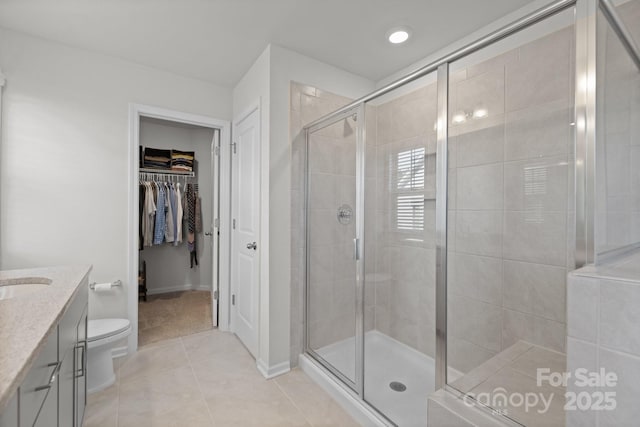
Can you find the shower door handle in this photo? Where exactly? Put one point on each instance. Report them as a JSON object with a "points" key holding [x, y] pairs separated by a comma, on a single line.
{"points": [[356, 249]]}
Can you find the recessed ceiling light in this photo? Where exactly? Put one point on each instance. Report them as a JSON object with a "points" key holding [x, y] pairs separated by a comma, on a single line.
{"points": [[398, 35]]}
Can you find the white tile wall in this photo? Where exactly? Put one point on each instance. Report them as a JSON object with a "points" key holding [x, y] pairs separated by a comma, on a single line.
{"points": [[479, 232], [403, 273], [510, 219], [620, 316], [627, 389], [482, 146], [332, 164], [536, 289], [618, 128], [603, 325], [480, 187]]}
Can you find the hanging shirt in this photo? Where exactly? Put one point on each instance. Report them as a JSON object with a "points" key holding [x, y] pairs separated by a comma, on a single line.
{"points": [[198, 212], [178, 223], [174, 211], [158, 235], [170, 228], [150, 211], [141, 202]]}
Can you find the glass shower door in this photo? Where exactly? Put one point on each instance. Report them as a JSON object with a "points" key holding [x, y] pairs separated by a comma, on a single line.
{"points": [[399, 212], [332, 282], [510, 219]]}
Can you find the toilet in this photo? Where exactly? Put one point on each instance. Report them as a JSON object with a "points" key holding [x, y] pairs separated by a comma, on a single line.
{"points": [[101, 334]]}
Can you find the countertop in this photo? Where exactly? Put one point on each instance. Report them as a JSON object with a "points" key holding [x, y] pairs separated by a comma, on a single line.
{"points": [[27, 319]]}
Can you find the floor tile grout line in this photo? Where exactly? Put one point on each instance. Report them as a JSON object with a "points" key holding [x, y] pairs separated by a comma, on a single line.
{"points": [[206, 404], [282, 390]]}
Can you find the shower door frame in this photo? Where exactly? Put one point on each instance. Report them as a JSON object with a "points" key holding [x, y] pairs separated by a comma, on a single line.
{"points": [[358, 111], [584, 115], [619, 28]]}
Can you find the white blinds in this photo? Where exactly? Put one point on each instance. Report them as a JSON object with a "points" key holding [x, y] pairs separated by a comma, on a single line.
{"points": [[409, 189]]}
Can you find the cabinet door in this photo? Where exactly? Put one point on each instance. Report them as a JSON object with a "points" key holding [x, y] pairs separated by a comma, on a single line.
{"points": [[48, 416], [81, 370], [41, 381], [68, 350], [9, 417], [65, 390]]}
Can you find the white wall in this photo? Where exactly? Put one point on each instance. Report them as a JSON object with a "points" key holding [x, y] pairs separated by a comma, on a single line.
{"points": [[288, 66], [268, 80], [252, 90], [168, 266], [64, 154]]}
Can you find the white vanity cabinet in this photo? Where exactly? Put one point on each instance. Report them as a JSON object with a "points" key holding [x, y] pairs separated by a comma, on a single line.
{"points": [[53, 393], [38, 391], [73, 353], [9, 417]]}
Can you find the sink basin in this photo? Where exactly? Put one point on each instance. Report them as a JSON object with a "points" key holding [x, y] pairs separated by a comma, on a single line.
{"points": [[11, 288]]}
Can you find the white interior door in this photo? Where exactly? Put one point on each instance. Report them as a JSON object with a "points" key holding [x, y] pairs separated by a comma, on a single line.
{"points": [[245, 230], [215, 227]]}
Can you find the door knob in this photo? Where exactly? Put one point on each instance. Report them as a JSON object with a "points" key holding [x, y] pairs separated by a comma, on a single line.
{"points": [[253, 246], [206, 233]]}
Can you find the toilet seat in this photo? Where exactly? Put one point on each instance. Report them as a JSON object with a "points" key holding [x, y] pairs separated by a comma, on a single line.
{"points": [[107, 330]]}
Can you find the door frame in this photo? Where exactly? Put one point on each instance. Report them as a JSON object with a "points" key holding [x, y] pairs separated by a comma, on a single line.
{"points": [[221, 271], [253, 107]]}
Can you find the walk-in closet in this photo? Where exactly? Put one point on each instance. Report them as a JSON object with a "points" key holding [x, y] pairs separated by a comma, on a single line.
{"points": [[177, 176]]}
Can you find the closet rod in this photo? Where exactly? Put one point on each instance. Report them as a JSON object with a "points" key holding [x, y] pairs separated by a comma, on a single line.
{"points": [[168, 172]]}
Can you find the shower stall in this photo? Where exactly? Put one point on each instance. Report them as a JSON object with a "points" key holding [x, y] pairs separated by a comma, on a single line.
{"points": [[442, 215]]}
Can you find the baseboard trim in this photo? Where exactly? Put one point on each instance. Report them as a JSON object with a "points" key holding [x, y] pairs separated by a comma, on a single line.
{"points": [[168, 289], [272, 371], [119, 351]]}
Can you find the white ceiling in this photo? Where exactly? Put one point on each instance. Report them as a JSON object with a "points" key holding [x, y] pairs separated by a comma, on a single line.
{"points": [[218, 40]]}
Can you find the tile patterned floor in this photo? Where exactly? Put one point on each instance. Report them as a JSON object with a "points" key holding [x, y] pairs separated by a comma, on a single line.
{"points": [[208, 379], [172, 315]]}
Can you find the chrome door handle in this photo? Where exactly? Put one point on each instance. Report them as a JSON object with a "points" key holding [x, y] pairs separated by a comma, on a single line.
{"points": [[253, 246], [208, 233]]}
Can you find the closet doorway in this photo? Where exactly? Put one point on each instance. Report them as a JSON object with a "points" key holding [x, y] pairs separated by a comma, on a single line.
{"points": [[179, 209]]}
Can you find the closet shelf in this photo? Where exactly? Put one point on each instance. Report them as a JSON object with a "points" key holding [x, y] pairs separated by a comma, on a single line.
{"points": [[168, 172]]}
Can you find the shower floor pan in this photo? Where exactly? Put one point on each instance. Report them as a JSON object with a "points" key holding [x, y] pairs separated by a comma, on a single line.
{"points": [[389, 365]]}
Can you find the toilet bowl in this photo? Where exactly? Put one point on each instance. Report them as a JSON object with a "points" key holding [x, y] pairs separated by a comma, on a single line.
{"points": [[101, 333]]}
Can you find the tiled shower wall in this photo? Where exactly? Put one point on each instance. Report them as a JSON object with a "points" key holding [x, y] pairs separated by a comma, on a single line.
{"points": [[400, 265], [618, 127], [401, 280], [510, 221], [333, 167], [603, 333], [603, 299]]}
